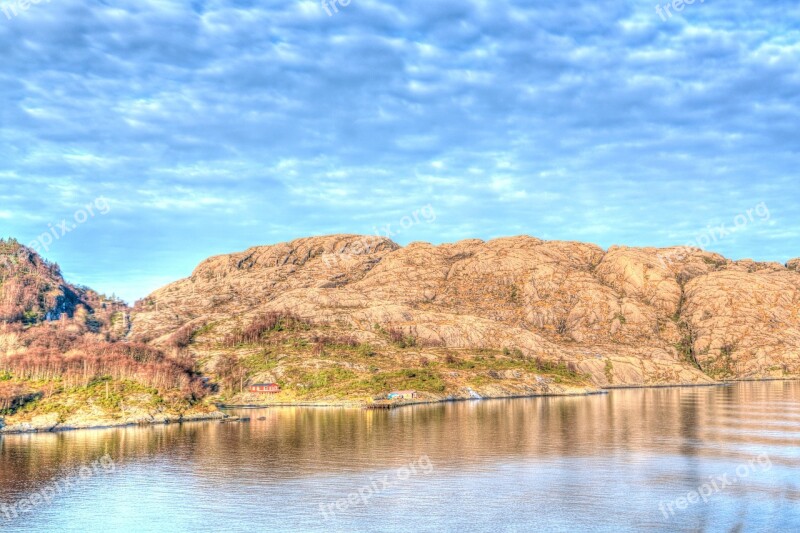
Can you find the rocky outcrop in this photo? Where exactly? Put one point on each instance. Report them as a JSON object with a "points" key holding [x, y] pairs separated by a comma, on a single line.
{"points": [[625, 316], [32, 290], [50, 422]]}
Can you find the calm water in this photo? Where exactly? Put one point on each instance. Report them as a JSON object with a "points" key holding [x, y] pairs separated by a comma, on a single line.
{"points": [[618, 462]]}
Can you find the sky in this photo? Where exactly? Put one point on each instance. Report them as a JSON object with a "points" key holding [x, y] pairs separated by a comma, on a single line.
{"points": [[148, 135]]}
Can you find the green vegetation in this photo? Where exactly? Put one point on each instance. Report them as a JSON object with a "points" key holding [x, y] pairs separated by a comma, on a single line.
{"points": [[345, 383], [686, 351], [609, 371], [259, 362], [31, 317], [203, 330], [262, 326], [685, 346], [327, 362], [723, 366], [397, 337], [460, 364], [326, 378], [365, 350], [420, 379], [516, 353], [562, 373], [113, 397], [402, 340]]}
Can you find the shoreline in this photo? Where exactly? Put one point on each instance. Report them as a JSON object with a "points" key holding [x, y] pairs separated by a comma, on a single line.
{"points": [[209, 417], [365, 405], [667, 386], [745, 380], [221, 416], [599, 391]]}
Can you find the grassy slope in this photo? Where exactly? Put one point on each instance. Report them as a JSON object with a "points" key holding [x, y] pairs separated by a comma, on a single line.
{"points": [[324, 363], [102, 402], [312, 363]]}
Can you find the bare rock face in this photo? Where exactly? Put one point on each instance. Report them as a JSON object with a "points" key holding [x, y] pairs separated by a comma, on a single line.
{"points": [[745, 323], [32, 289], [794, 264], [625, 316]]}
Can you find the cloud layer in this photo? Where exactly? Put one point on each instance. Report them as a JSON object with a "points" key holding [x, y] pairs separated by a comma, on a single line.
{"points": [[214, 126]]}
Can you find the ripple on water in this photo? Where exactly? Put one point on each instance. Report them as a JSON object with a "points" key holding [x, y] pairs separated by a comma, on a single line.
{"points": [[603, 463]]}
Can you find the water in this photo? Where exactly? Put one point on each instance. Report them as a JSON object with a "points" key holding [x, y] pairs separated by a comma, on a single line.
{"points": [[616, 462]]}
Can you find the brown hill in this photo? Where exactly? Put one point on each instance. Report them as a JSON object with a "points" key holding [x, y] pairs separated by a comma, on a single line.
{"points": [[64, 360], [33, 290], [626, 316]]}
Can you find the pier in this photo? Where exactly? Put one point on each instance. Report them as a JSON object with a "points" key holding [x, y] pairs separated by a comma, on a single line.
{"points": [[382, 404]]}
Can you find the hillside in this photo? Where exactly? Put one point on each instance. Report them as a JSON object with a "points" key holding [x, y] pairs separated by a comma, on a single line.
{"points": [[349, 317], [346, 319], [64, 361]]}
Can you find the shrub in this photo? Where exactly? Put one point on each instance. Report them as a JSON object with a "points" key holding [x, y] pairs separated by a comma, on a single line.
{"points": [[230, 372], [327, 377], [561, 369], [346, 340], [365, 350], [319, 348], [53, 336], [89, 360], [400, 339], [272, 321], [13, 396], [183, 337]]}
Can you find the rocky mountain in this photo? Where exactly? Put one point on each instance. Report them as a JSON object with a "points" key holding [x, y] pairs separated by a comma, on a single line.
{"points": [[33, 290], [347, 319], [476, 315]]}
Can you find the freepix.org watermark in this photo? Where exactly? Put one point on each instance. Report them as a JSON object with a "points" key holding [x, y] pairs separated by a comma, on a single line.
{"points": [[714, 234], [366, 244], [46, 495], [677, 5], [362, 496], [13, 8], [55, 232], [331, 7], [715, 485]]}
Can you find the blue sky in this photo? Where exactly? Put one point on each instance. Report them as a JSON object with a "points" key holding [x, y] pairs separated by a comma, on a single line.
{"points": [[213, 126]]}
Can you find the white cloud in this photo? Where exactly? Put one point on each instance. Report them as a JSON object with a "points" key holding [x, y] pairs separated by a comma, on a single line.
{"points": [[220, 125]]}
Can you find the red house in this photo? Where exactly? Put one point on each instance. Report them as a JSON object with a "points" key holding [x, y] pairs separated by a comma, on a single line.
{"points": [[270, 388]]}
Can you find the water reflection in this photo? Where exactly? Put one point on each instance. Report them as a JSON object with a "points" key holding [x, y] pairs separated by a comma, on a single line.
{"points": [[602, 461]]}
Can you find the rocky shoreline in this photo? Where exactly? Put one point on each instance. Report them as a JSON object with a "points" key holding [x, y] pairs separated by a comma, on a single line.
{"points": [[350, 404], [448, 399], [41, 425]]}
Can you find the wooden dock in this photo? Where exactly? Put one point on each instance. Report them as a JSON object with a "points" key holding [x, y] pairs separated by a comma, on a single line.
{"points": [[381, 404]]}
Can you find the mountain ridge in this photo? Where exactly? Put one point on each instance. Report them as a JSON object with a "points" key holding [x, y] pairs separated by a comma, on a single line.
{"points": [[345, 319], [554, 299]]}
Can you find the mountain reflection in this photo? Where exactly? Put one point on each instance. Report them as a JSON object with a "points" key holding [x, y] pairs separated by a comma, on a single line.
{"points": [[729, 422]]}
